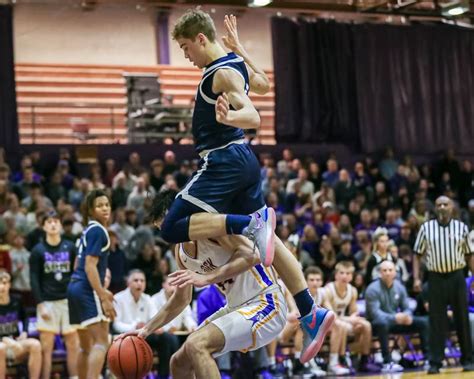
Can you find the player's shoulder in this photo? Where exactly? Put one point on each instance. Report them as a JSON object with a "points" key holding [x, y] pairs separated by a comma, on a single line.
{"points": [[94, 229], [226, 78]]}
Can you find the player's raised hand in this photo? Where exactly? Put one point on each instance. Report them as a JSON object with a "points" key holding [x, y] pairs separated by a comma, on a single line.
{"points": [[222, 108], [231, 39], [183, 278]]}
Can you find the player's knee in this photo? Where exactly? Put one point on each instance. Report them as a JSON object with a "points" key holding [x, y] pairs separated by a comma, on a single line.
{"points": [[367, 326], [3, 350], [196, 346], [71, 341], [34, 346], [177, 360]]}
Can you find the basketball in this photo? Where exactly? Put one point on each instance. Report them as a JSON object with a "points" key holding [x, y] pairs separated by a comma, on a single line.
{"points": [[130, 358]]}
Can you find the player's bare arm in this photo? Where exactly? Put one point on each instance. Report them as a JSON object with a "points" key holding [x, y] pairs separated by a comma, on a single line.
{"points": [[106, 297], [353, 311], [230, 85], [243, 258], [259, 82]]}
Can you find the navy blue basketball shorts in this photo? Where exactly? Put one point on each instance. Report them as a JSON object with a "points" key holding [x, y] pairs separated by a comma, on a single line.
{"points": [[84, 304], [227, 181]]}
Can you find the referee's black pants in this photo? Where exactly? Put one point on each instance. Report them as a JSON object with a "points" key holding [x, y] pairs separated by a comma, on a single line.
{"points": [[443, 290]]}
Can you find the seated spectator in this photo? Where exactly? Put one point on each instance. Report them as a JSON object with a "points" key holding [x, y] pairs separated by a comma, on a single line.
{"points": [[135, 308], [328, 254], [37, 233], [120, 192], [388, 311], [344, 190], [51, 266], [379, 255], [184, 321], [359, 284], [309, 243], [365, 222], [123, 231], [15, 346], [305, 186], [20, 268], [402, 272], [118, 264], [345, 254], [345, 228], [341, 297], [331, 175], [68, 233], [292, 330], [35, 199], [393, 229], [78, 192], [14, 211]]}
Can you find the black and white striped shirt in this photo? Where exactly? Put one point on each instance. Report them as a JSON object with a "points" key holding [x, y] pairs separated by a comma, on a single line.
{"points": [[445, 246]]}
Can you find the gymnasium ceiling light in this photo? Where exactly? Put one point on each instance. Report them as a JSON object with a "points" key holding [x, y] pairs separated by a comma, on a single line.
{"points": [[454, 8], [259, 3]]}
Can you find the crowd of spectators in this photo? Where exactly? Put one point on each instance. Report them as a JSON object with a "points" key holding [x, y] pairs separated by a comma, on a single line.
{"points": [[365, 213]]}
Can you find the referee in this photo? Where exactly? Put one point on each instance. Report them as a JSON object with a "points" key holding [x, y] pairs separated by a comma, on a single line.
{"points": [[444, 242]]}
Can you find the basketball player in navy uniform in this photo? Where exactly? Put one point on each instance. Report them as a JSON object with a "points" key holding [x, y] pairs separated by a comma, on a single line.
{"points": [[90, 303], [224, 195]]}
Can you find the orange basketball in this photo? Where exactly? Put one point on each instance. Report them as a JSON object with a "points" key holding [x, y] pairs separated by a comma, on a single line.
{"points": [[130, 358]]}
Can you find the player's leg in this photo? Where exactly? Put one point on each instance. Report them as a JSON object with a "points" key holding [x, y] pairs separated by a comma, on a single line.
{"points": [[363, 333], [187, 222], [85, 348], [47, 344], [3, 360], [200, 346], [315, 321], [30, 350], [100, 339], [218, 185], [337, 347], [71, 340], [180, 365]]}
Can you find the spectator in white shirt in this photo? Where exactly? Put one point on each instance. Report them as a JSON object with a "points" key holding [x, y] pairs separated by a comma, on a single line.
{"points": [[185, 321], [120, 227], [306, 186], [134, 308]]}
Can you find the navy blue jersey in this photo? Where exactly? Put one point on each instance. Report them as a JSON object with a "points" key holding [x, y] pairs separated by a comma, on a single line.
{"points": [[207, 132], [51, 269], [94, 241]]}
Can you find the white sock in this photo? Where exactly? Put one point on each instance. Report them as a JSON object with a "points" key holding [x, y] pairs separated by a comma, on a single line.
{"points": [[74, 377], [271, 361], [333, 359], [297, 354]]}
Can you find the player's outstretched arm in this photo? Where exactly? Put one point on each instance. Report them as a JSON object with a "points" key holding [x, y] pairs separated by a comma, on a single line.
{"points": [[230, 85], [173, 307], [259, 82], [242, 260]]}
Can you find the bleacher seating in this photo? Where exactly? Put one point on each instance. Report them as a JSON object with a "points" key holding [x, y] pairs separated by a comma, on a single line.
{"points": [[78, 103]]}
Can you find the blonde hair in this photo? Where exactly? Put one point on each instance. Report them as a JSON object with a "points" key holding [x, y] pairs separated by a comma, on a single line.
{"points": [[193, 22], [379, 232], [4, 275]]}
